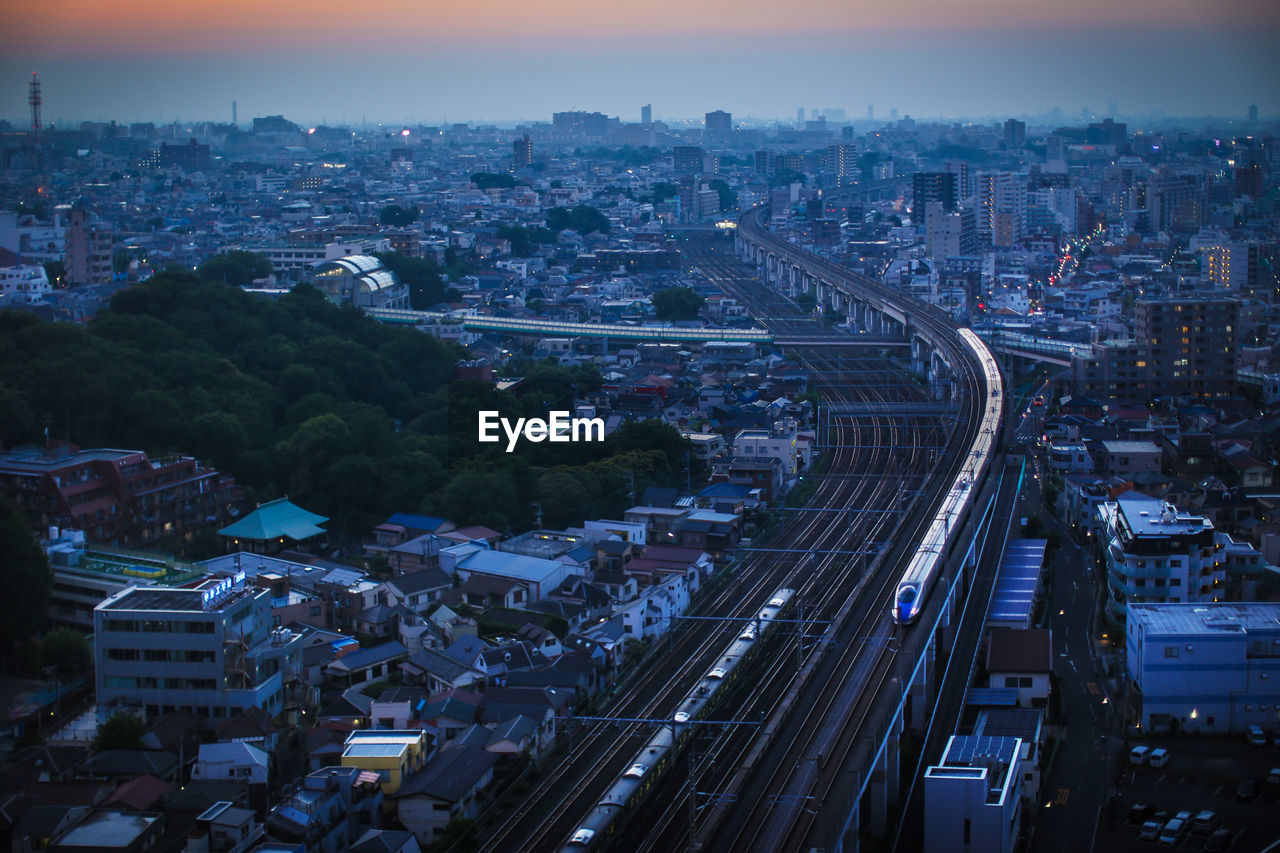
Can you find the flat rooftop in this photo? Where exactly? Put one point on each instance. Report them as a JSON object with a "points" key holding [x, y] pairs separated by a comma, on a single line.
{"points": [[1205, 619]]}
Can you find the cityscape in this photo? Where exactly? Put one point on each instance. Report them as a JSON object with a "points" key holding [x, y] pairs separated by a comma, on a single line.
{"points": [[860, 432]]}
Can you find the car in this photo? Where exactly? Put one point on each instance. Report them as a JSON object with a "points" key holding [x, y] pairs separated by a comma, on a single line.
{"points": [[1158, 757], [1141, 812], [1255, 736], [1247, 790], [1205, 822], [1138, 755], [1174, 831], [635, 771], [1185, 816], [1220, 840], [1273, 776], [1150, 831]]}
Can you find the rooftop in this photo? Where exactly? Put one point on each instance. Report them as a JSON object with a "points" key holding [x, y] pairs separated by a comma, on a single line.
{"points": [[1204, 619], [274, 520]]}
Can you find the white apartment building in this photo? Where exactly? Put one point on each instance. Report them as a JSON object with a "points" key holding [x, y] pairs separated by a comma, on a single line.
{"points": [[778, 442]]}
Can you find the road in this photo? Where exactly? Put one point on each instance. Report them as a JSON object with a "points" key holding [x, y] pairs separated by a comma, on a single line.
{"points": [[1088, 754]]}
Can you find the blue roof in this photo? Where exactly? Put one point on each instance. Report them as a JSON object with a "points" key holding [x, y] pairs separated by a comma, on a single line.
{"points": [[725, 490], [375, 654], [998, 697], [278, 519], [416, 522], [1014, 595]]}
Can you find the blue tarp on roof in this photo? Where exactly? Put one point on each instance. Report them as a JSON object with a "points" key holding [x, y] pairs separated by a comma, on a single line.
{"points": [[412, 521]]}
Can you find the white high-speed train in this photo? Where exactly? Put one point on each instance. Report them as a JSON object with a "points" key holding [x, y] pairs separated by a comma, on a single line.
{"points": [[926, 564]]}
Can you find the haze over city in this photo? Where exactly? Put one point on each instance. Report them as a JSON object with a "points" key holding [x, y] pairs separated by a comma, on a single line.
{"points": [[404, 63]]}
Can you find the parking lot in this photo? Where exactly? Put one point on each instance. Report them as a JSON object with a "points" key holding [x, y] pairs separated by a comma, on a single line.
{"points": [[1202, 773]]}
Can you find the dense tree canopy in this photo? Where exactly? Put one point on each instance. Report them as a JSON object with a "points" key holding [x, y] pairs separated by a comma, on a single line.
{"points": [[493, 180], [397, 216], [25, 575], [677, 303], [427, 286], [122, 730], [351, 418], [235, 267], [584, 219], [67, 651]]}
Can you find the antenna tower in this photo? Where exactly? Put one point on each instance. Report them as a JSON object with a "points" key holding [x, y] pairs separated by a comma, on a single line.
{"points": [[34, 99]]}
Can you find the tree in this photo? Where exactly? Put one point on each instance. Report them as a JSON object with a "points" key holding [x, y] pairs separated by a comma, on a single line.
{"points": [[426, 284], [55, 270], [236, 267], [728, 198], [67, 651], [584, 219], [677, 303], [25, 576], [122, 730], [397, 216], [492, 180]]}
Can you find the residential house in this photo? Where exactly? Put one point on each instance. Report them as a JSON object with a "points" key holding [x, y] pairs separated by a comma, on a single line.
{"points": [[445, 789]]}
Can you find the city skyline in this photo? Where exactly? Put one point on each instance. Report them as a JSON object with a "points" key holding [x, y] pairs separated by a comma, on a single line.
{"points": [[926, 59]]}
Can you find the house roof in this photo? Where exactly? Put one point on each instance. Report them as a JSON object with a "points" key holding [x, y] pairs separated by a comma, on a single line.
{"points": [[425, 523], [252, 722], [274, 520], [140, 793], [369, 657], [232, 753], [1020, 650], [420, 581], [450, 775]]}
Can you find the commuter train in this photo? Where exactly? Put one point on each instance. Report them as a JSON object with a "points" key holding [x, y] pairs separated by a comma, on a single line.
{"points": [[926, 564], [651, 761]]}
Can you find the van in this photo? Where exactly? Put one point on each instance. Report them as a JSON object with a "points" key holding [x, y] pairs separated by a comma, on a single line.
{"points": [[1174, 831], [1138, 755], [1256, 736], [1205, 822], [1158, 757]]}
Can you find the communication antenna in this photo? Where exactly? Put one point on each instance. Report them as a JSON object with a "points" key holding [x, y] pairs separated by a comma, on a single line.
{"points": [[35, 100]]}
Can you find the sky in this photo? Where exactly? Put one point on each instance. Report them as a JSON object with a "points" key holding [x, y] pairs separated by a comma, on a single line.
{"points": [[427, 61]]}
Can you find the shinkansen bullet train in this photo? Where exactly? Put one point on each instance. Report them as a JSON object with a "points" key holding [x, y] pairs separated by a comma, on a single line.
{"points": [[650, 762], [925, 566]]}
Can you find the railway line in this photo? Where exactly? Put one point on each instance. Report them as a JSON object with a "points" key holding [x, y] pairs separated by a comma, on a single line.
{"points": [[839, 583]]}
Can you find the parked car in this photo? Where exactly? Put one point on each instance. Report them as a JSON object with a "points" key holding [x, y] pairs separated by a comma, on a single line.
{"points": [[1158, 757], [1247, 790], [1220, 840], [1138, 755], [1140, 813], [1255, 736], [1273, 776], [1205, 822], [1150, 831], [1174, 831]]}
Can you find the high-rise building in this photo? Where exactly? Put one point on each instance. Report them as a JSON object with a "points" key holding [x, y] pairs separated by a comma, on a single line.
{"points": [[842, 161], [1175, 203], [718, 125], [932, 186], [1002, 207], [800, 116], [1253, 112], [1015, 133], [582, 124], [522, 153], [88, 249], [949, 233], [646, 114], [687, 160], [1183, 347], [1107, 132]]}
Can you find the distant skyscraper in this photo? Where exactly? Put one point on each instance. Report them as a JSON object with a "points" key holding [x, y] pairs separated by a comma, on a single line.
{"points": [[842, 160], [932, 186], [893, 114], [687, 160], [233, 113], [1015, 133], [1253, 112], [646, 114], [719, 125], [522, 153], [871, 111], [800, 115]]}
